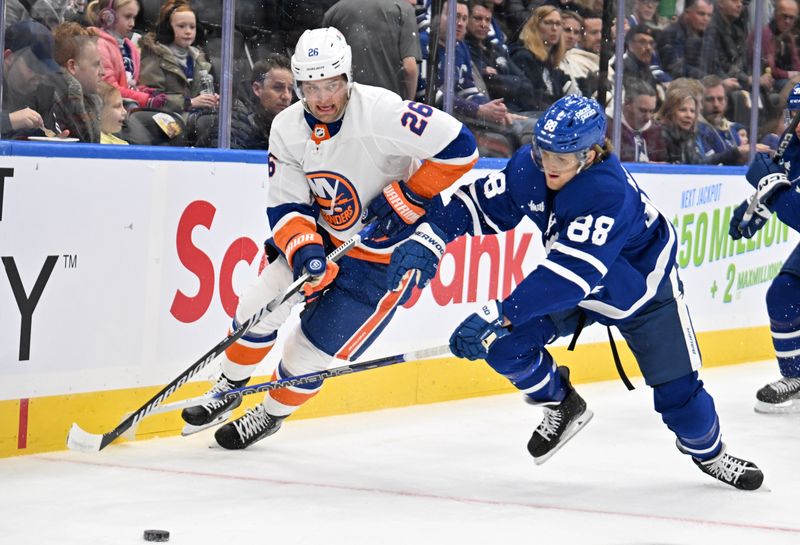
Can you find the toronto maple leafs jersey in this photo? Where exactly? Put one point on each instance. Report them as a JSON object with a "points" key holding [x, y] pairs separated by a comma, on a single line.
{"points": [[787, 204], [327, 174], [607, 247]]}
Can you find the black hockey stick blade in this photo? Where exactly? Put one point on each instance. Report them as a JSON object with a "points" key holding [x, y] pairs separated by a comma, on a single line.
{"points": [[81, 440]]}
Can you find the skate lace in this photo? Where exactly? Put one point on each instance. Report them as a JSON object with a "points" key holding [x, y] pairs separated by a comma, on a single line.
{"points": [[728, 468], [221, 386], [549, 426], [786, 385], [253, 422]]}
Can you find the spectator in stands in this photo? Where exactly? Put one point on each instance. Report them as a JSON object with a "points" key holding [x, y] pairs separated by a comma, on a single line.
{"points": [[582, 64], [172, 65], [778, 46], [76, 104], [592, 33], [684, 47], [641, 140], [539, 53], [571, 29], [469, 101], [678, 119], [717, 137], [729, 30], [503, 78], [383, 38], [645, 12], [113, 114], [498, 32], [267, 92], [640, 63], [112, 21], [27, 95]]}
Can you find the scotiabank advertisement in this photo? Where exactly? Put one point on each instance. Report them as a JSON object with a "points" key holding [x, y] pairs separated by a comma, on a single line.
{"points": [[119, 273]]}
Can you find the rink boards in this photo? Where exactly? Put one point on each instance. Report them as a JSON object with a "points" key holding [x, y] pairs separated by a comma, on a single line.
{"points": [[122, 266]]}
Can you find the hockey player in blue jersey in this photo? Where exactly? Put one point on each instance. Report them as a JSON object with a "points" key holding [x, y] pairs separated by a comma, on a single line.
{"points": [[777, 192], [611, 258]]}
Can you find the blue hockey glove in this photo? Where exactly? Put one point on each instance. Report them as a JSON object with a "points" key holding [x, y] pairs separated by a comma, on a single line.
{"points": [[421, 252], [738, 228], [396, 208], [473, 338]]}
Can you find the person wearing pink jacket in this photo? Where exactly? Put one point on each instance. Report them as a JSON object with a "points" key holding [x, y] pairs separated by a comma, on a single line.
{"points": [[112, 21]]}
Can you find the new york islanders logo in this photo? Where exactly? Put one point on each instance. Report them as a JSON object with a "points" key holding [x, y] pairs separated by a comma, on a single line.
{"points": [[337, 198]]}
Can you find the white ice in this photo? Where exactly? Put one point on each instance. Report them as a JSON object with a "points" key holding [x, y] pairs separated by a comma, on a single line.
{"points": [[455, 472]]}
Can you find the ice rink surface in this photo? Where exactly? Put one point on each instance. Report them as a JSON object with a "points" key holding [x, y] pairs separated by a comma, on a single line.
{"points": [[455, 472]]}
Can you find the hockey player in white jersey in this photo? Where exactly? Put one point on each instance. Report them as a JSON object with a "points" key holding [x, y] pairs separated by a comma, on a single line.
{"points": [[344, 155], [610, 259]]}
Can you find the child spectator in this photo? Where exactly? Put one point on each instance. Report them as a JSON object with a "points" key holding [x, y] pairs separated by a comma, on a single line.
{"points": [[76, 105], [172, 65], [113, 114], [112, 21]]}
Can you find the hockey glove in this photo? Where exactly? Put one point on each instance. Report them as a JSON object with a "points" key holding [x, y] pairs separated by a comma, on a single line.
{"points": [[306, 254], [396, 208], [739, 228], [768, 177], [473, 338], [421, 252]]}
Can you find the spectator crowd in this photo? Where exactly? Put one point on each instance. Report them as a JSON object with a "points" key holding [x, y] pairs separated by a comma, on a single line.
{"points": [[131, 71]]}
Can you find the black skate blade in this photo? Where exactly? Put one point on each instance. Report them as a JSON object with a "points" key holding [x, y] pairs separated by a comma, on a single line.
{"points": [[569, 433], [791, 406], [189, 429]]}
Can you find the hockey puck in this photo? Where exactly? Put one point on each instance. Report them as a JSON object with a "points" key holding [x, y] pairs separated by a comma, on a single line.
{"points": [[156, 535]]}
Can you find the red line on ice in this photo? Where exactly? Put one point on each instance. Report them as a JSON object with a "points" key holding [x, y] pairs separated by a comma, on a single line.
{"points": [[22, 433], [422, 495]]}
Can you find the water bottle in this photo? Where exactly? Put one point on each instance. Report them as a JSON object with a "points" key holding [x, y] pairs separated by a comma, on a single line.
{"points": [[206, 82]]}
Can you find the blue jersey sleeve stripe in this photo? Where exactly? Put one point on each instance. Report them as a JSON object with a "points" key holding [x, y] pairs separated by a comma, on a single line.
{"points": [[463, 145], [583, 256], [471, 208], [567, 274]]}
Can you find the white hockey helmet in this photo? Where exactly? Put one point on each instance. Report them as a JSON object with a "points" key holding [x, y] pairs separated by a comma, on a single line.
{"points": [[321, 53]]}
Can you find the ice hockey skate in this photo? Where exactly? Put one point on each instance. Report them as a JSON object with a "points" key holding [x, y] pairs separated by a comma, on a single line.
{"points": [[781, 396], [253, 426], [731, 470], [215, 412], [562, 420]]}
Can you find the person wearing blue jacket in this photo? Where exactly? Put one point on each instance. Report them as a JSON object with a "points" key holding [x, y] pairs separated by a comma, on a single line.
{"points": [[610, 258]]}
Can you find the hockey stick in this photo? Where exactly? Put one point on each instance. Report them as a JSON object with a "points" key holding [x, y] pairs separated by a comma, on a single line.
{"points": [[782, 145], [79, 439], [299, 380]]}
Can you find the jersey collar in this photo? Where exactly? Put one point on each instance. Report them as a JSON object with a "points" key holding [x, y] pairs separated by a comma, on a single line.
{"points": [[322, 131]]}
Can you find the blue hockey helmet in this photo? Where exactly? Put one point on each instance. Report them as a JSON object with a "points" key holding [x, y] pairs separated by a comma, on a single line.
{"points": [[793, 100], [573, 124]]}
